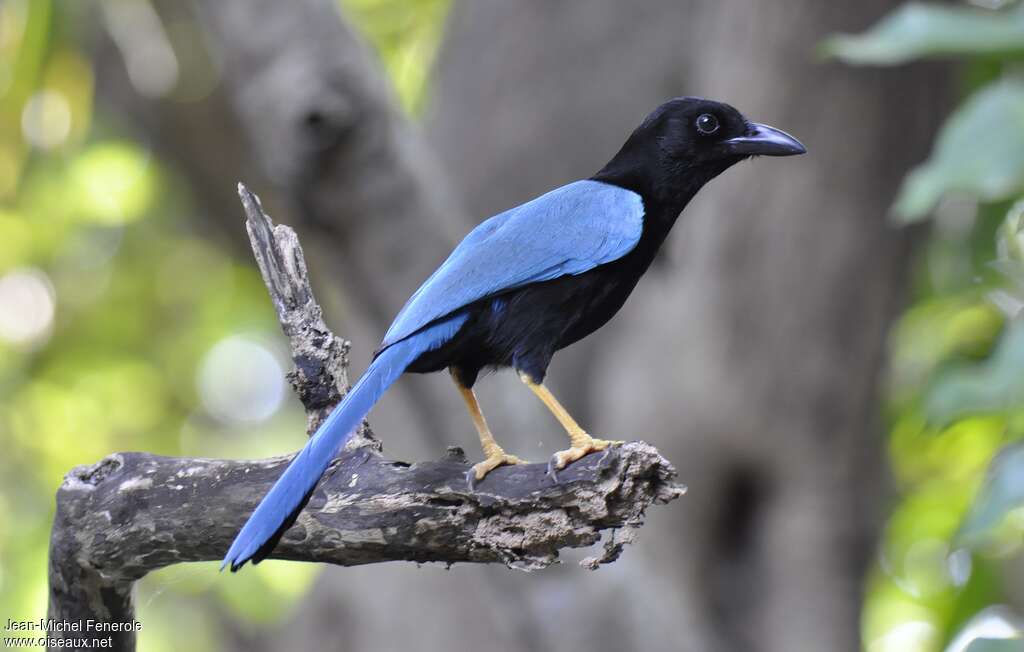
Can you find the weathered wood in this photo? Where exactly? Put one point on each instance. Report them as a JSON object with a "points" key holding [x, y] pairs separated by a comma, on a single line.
{"points": [[320, 376], [132, 513]]}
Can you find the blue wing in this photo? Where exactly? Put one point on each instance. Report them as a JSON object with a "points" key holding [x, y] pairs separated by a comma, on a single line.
{"points": [[567, 231]]}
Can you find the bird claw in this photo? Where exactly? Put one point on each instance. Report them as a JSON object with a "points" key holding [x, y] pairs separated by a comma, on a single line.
{"points": [[479, 471], [553, 468], [562, 459]]}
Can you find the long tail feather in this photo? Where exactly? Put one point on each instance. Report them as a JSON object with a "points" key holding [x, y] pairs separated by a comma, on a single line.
{"points": [[281, 506]]}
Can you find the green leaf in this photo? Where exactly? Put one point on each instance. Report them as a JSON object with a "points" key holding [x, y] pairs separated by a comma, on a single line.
{"points": [[996, 645], [926, 30], [992, 385], [1002, 493], [979, 153]]}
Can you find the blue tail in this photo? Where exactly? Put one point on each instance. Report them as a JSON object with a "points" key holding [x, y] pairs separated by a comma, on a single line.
{"points": [[281, 506]]}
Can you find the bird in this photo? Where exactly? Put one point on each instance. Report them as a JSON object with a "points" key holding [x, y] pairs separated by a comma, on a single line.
{"points": [[526, 283]]}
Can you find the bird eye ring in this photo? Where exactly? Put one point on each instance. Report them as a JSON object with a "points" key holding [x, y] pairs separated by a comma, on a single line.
{"points": [[707, 124]]}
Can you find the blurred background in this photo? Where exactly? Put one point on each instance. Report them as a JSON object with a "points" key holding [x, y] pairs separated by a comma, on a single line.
{"points": [[826, 349]]}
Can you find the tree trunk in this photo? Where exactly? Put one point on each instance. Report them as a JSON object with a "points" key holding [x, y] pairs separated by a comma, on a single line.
{"points": [[754, 352]]}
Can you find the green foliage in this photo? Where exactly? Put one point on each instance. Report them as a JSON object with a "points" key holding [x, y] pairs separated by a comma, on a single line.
{"points": [[979, 153], [991, 385], [980, 150], [1001, 495], [406, 36], [917, 30], [957, 380]]}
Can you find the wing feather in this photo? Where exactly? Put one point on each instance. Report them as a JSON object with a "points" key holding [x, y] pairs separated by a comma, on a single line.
{"points": [[567, 231]]}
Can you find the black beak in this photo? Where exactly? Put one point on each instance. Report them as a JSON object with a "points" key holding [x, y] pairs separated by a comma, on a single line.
{"points": [[762, 140]]}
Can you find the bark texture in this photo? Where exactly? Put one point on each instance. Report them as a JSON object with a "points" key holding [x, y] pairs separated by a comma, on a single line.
{"points": [[132, 513], [320, 376]]}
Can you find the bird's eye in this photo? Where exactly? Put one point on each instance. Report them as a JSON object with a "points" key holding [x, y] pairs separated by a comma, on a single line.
{"points": [[707, 124]]}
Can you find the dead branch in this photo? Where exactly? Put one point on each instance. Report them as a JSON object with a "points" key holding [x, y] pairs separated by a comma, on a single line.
{"points": [[132, 513]]}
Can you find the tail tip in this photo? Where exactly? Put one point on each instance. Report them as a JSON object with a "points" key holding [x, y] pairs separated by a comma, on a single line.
{"points": [[235, 558], [232, 564]]}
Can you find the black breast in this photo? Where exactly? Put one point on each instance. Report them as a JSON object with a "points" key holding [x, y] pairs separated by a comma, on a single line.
{"points": [[524, 327]]}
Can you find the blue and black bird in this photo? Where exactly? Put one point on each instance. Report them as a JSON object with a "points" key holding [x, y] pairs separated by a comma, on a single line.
{"points": [[528, 282]]}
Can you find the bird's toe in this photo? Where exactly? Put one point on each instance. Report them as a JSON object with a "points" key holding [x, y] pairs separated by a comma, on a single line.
{"points": [[580, 449], [479, 471]]}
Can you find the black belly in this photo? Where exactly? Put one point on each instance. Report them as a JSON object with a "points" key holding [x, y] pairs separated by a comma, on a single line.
{"points": [[523, 328]]}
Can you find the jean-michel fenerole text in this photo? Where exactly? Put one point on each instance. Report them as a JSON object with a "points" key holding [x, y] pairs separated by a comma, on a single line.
{"points": [[54, 626]]}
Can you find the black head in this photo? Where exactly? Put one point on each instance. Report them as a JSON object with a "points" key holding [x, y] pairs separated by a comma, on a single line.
{"points": [[688, 141]]}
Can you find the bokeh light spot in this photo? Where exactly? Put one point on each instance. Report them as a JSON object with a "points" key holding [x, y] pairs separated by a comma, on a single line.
{"points": [[114, 182], [27, 306], [46, 119], [240, 381]]}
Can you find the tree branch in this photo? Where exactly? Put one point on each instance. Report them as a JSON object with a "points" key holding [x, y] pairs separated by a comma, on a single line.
{"points": [[320, 376], [132, 513]]}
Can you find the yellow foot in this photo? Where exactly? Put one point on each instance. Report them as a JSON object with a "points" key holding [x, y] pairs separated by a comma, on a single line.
{"points": [[477, 472], [580, 446]]}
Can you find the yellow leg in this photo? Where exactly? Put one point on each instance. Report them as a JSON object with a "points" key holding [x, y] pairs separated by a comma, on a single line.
{"points": [[581, 442], [495, 455]]}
